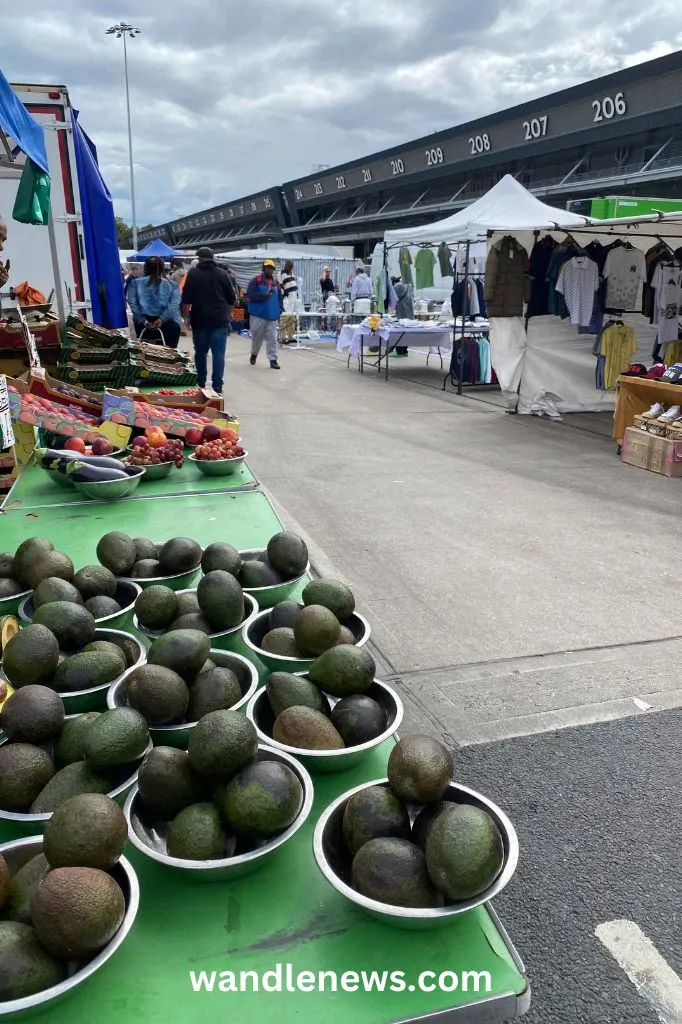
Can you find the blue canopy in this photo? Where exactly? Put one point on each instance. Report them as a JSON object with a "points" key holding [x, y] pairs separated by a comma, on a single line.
{"points": [[16, 121], [155, 248]]}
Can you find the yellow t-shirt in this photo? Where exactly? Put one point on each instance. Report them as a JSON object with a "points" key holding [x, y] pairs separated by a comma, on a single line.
{"points": [[618, 345]]}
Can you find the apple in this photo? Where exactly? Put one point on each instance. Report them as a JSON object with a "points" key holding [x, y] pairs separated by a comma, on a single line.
{"points": [[210, 432], [102, 446], [75, 444], [194, 436]]}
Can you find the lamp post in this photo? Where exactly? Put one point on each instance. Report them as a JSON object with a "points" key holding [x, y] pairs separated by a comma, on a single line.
{"points": [[123, 30]]}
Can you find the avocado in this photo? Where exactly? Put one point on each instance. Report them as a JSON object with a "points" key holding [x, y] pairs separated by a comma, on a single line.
{"points": [[263, 800], [255, 574], [69, 747], [95, 581], [359, 719], [87, 669], [187, 603], [306, 728], [287, 554], [282, 642], [284, 614], [215, 690], [286, 690], [343, 671], [47, 564], [316, 629], [393, 871], [167, 783], [346, 636], [10, 588], [25, 967], [464, 852], [102, 607], [221, 743], [374, 813], [206, 667], [21, 888], [197, 833], [117, 737], [72, 624], [221, 556], [31, 656], [192, 620], [332, 594], [77, 910], [116, 552], [122, 649], [158, 693], [221, 599], [27, 551], [420, 769], [156, 607], [181, 554], [425, 819], [88, 830], [54, 588], [183, 650], [145, 549], [7, 570], [24, 771], [33, 714], [146, 569], [4, 881], [69, 781]]}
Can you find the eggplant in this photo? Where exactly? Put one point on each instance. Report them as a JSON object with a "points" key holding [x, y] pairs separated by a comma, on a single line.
{"points": [[84, 472], [103, 461]]}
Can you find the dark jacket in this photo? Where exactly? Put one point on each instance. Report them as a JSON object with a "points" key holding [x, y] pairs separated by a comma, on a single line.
{"points": [[208, 290], [506, 285]]}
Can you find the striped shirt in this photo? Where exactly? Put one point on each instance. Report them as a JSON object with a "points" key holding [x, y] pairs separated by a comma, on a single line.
{"points": [[289, 284]]}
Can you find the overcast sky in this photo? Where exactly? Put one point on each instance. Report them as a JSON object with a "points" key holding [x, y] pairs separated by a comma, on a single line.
{"points": [[229, 97]]}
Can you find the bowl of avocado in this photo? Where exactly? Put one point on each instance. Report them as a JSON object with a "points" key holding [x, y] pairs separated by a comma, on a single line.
{"points": [[185, 612], [109, 611], [277, 646], [33, 976], [268, 584]]}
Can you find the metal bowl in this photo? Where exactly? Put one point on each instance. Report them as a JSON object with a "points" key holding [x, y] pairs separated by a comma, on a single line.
{"points": [[254, 631], [33, 824], [260, 713], [178, 735], [218, 467], [268, 597], [334, 860], [226, 640], [11, 605], [18, 853], [149, 836], [158, 471], [110, 490], [125, 596], [182, 581]]}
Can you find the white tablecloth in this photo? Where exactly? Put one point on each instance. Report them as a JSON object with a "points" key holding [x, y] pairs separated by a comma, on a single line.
{"points": [[436, 339]]}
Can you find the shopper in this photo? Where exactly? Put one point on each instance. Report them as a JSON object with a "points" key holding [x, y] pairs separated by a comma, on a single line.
{"points": [[4, 267], [264, 296], [287, 324], [208, 290], [361, 292], [155, 303], [404, 307], [326, 284]]}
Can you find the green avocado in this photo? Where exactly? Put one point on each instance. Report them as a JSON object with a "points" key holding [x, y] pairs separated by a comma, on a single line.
{"points": [[343, 670], [332, 594], [197, 833], [182, 650], [464, 852], [25, 967], [286, 690], [393, 871], [72, 624], [374, 813], [221, 600], [263, 800]]}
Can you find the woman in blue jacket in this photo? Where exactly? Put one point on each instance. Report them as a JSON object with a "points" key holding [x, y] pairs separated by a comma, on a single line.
{"points": [[155, 302]]}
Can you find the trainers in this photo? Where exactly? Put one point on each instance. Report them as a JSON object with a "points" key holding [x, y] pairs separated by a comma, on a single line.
{"points": [[654, 412], [253, 359], [671, 415], [274, 365]]}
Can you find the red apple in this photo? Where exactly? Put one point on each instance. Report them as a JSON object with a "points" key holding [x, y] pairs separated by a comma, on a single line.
{"points": [[75, 444], [193, 436], [211, 432], [102, 446]]}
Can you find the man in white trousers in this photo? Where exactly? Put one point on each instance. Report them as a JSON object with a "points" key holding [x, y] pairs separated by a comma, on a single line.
{"points": [[264, 296]]}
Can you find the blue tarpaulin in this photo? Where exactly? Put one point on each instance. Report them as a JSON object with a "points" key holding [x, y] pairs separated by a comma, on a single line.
{"points": [[99, 235], [16, 121], [155, 248]]}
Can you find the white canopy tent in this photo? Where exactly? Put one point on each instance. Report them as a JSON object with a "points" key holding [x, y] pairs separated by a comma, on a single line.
{"points": [[308, 266]]}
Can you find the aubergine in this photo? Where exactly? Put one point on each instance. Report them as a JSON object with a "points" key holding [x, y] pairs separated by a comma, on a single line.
{"points": [[85, 473], [68, 456]]}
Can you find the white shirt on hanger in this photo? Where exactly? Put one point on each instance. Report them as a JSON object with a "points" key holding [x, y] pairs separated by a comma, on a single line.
{"points": [[667, 283], [578, 281], [624, 272]]}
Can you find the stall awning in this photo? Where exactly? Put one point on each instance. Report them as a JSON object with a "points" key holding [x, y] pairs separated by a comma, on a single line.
{"points": [[155, 248], [17, 123]]}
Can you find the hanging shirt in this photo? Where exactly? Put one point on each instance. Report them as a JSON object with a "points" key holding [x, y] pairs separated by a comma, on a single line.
{"points": [[423, 265], [618, 346], [624, 272], [578, 281], [445, 259], [405, 260], [667, 286]]}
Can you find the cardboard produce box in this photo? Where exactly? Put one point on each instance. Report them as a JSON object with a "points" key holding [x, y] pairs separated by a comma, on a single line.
{"points": [[657, 454]]}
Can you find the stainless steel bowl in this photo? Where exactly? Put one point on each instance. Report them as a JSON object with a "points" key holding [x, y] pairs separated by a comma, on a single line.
{"points": [[11, 605], [17, 853], [109, 490], [254, 631], [158, 471], [179, 582], [334, 860], [125, 596], [33, 824], [149, 836], [268, 597], [178, 735], [260, 713], [226, 640], [218, 467]]}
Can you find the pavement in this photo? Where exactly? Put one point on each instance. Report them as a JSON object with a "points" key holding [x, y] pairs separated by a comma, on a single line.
{"points": [[522, 589]]}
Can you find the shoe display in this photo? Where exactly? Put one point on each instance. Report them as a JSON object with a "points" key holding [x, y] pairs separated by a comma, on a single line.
{"points": [[253, 359], [671, 415], [274, 365], [654, 412]]}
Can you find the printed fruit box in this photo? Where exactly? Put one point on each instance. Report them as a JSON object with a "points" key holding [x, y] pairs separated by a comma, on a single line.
{"points": [[93, 354], [158, 373], [193, 401], [158, 353], [100, 373], [40, 412], [84, 332], [46, 335], [123, 409], [40, 383]]}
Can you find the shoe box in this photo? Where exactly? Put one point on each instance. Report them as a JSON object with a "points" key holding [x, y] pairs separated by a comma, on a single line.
{"points": [[647, 451]]}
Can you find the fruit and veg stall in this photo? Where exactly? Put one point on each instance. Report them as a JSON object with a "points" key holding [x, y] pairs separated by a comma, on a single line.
{"points": [[214, 782]]}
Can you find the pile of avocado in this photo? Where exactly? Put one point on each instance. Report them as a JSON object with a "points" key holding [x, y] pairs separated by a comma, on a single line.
{"points": [[284, 559], [216, 605], [93, 587], [411, 848], [179, 682], [48, 758], [306, 630], [33, 561], [140, 558], [216, 800], [62, 906]]}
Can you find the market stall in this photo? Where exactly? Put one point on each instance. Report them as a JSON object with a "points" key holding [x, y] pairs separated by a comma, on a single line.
{"points": [[387, 336]]}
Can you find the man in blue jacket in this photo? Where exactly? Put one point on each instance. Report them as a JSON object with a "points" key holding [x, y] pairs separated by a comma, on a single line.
{"points": [[264, 296]]}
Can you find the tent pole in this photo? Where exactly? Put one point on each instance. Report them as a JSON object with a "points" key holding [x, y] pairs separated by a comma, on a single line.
{"points": [[460, 354], [58, 293]]}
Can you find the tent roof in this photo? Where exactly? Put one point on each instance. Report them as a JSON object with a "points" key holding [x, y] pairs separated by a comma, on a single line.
{"points": [[507, 206], [278, 252], [156, 248], [18, 124]]}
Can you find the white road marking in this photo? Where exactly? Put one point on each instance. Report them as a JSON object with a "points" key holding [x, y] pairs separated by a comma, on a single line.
{"points": [[641, 704], [653, 978]]}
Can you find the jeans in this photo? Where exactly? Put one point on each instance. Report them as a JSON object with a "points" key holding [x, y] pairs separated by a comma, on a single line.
{"points": [[264, 331], [213, 340]]}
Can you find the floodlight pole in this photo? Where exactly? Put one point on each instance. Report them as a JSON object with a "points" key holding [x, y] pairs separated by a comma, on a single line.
{"points": [[124, 30]]}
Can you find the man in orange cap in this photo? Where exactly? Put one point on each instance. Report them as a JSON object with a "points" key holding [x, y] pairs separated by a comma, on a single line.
{"points": [[264, 296]]}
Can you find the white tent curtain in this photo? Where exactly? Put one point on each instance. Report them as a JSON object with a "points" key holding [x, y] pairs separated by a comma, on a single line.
{"points": [[308, 267]]}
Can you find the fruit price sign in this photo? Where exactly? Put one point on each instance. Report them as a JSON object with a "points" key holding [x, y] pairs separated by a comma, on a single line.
{"points": [[6, 431]]}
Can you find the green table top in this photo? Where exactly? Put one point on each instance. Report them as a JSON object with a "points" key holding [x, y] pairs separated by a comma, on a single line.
{"points": [[35, 489], [284, 913]]}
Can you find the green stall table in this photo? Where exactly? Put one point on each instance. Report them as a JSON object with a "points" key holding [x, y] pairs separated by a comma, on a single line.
{"points": [[284, 914]]}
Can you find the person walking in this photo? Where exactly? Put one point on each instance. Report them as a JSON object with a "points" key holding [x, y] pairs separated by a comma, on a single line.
{"points": [[208, 290], [264, 296], [155, 303], [361, 292], [404, 307]]}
